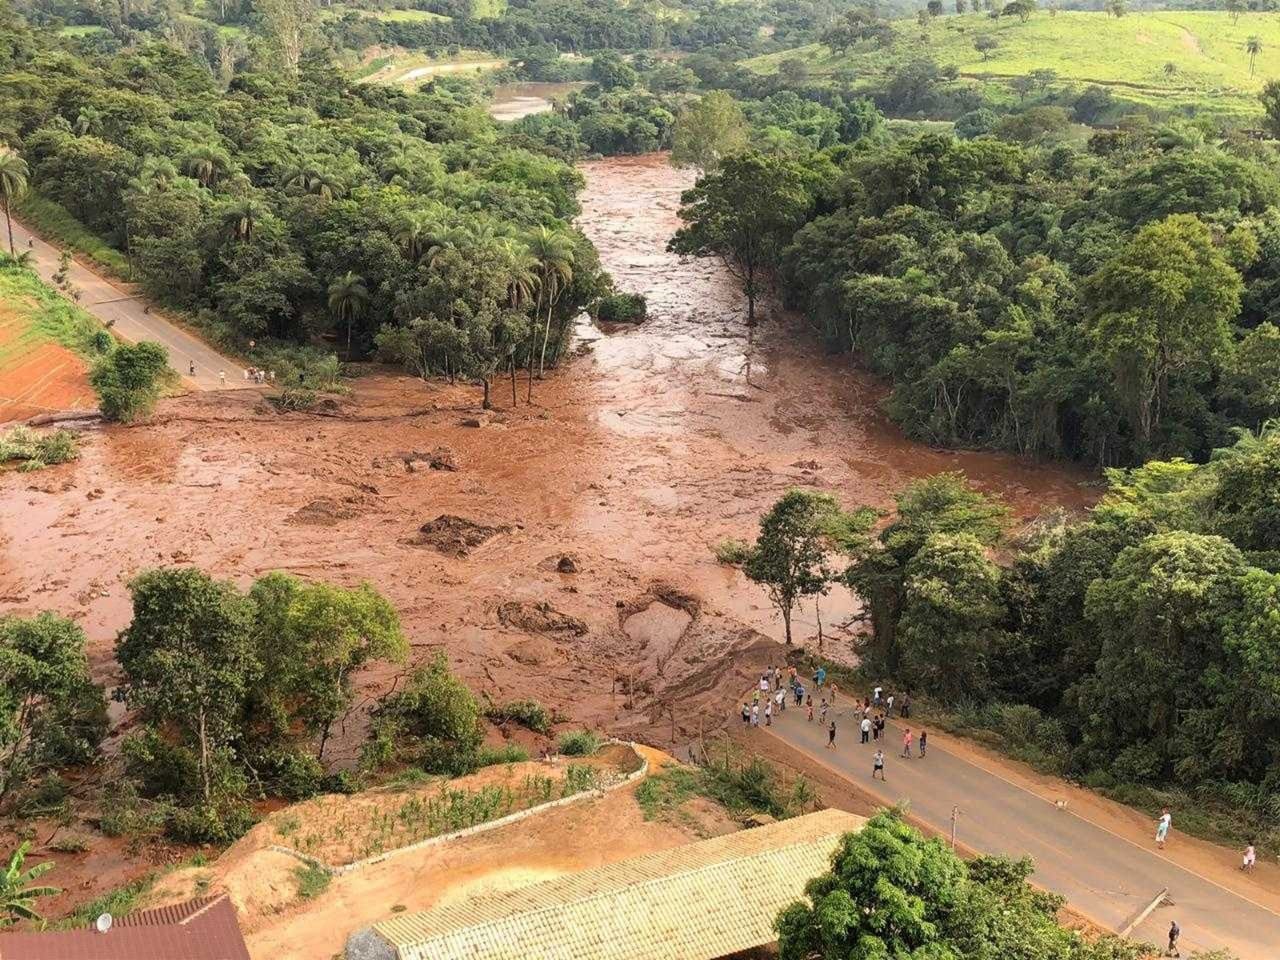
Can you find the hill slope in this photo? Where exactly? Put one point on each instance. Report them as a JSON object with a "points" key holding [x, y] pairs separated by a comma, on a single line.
{"points": [[1207, 51]]}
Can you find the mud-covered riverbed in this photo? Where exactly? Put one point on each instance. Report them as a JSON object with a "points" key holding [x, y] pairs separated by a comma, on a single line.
{"points": [[632, 461]]}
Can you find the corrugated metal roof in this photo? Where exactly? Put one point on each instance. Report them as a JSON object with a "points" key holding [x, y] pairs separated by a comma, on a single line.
{"points": [[196, 930], [705, 899]]}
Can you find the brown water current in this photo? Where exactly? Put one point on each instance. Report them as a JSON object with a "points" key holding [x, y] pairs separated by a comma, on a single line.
{"points": [[632, 461]]}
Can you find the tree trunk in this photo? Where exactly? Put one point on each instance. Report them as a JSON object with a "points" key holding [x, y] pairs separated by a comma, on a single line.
{"points": [[488, 404], [546, 335], [204, 759], [349, 322], [9, 222], [817, 609], [786, 622], [514, 401], [529, 395], [324, 739]]}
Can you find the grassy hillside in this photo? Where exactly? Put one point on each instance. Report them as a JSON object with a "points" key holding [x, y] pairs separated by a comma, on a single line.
{"points": [[1210, 66]]}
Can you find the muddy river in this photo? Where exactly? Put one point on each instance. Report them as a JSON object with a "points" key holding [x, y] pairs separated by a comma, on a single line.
{"points": [[592, 504]]}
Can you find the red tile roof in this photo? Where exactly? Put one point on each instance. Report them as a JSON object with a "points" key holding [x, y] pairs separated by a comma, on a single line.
{"points": [[195, 930]]}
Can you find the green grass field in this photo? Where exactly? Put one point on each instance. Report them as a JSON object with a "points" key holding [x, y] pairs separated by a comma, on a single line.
{"points": [[489, 9], [32, 314], [1210, 66]]}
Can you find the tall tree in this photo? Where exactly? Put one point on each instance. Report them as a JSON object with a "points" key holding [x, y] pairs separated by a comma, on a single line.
{"points": [[288, 22], [942, 504], [348, 299], [18, 893], [743, 213], [1253, 46], [311, 639], [553, 250], [789, 557], [188, 658], [1165, 302], [51, 712], [707, 131], [13, 184]]}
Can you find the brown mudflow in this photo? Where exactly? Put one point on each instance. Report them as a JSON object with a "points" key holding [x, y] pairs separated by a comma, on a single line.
{"points": [[636, 457]]}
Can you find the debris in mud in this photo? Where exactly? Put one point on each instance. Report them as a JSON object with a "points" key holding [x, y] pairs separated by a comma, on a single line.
{"points": [[324, 512], [455, 536], [539, 617], [95, 493], [809, 465], [416, 461], [561, 563], [533, 652]]}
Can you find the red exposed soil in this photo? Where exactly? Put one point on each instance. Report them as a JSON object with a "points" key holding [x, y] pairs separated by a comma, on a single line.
{"points": [[37, 376], [634, 459]]}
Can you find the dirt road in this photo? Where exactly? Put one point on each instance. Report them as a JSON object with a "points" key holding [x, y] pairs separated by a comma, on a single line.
{"points": [[1103, 874], [128, 317]]}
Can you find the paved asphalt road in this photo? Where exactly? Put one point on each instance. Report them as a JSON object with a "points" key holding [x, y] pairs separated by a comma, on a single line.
{"points": [[128, 318], [1103, 875]]}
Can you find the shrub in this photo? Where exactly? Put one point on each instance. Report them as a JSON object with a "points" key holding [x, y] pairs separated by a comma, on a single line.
{"points": [[732, 551], [434, 723], [312, 880], [69, 843], [215, 822], [507, 753], [296, 398], [527, 713], [579, 743], [34, 451], [127, 380], [622, 308]]}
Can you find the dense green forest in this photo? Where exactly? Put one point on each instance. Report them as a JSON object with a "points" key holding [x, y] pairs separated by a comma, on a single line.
{"points": [[287, 207]]}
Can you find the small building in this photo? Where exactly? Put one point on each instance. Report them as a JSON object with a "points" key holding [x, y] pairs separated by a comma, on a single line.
{"points": [[196, 930], [701, 901]]}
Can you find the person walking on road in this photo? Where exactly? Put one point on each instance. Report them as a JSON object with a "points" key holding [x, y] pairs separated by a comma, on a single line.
{"points": [[889, 706], [822, 711], [905, 709], [1174, 933], [1162, 827], [755, 714], [875, 695], [877, 765], [191, 368], [831, 736], [1250, 858], [746, 713], [906, 744], [866, 730], [222, 377], [768, 714], [924, 739]]}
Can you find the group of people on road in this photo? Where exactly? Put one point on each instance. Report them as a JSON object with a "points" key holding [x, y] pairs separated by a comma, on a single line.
{"points": [[772, 693]]}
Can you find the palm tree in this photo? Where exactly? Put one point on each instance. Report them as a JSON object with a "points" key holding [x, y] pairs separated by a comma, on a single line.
{"points": [[13, 184], [17, 896], [310, 179], [553, 249], [88, 121], [242, 217], [206, 164], [414, 231], [348, 299], [1253, 46]]}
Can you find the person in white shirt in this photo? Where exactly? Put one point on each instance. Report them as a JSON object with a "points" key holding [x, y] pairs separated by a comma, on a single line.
{"points": [[1162, 827], [866, 729], [1250, 858]]}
